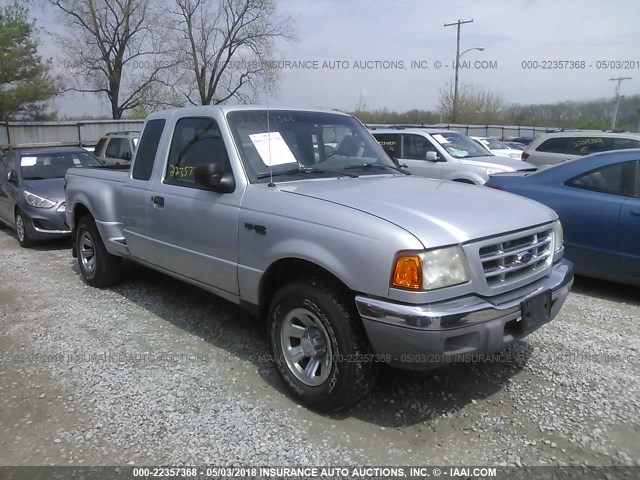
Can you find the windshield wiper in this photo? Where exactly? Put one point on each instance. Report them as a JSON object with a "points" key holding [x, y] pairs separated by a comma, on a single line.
{"points": [[303, 171], [376, 165]]}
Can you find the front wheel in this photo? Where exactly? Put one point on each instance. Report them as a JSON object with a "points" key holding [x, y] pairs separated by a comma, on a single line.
{"points": [[319, 345], [98, 267], [22, 233]]}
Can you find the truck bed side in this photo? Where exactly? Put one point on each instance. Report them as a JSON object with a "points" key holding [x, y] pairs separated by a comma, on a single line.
{"points": [[97, 191]]}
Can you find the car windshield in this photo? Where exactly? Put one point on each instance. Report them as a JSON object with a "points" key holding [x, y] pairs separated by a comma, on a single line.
{"points": [[459, 146], [39, 166], [295, 144]]}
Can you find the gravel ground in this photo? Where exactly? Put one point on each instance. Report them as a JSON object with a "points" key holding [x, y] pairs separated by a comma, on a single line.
{"points": [[155, 371]]}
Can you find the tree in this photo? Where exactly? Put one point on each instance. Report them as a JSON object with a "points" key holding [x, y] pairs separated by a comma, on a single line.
{"points": [[475, 104], [25, 81], [113, 48], [226, 47]]}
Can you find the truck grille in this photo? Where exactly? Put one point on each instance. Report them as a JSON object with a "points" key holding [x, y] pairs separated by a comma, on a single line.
{"points": [[517, 258]]}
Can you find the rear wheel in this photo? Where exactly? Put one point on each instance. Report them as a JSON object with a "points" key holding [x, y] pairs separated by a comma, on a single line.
{"points": [[319, 345], [21, 231], [98, 267]]}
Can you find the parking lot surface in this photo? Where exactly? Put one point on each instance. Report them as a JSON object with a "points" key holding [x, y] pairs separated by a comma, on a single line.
{"points": [[157, 372]]}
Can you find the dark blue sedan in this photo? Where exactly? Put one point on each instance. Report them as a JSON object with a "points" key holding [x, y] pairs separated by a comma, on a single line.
{"points": [[597, 198], [32, 190]]}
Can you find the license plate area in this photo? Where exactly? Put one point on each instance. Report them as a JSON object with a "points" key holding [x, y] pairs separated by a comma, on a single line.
{"points": [[535, 311]]}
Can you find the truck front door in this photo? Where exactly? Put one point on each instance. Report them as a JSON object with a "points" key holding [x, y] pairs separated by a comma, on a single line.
{"points": [[194, 231]]}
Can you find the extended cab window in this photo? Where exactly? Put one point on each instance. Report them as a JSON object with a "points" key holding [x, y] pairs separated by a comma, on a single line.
{"points": [[143, 165], [389, 141], [618, 179], [196, 141]]}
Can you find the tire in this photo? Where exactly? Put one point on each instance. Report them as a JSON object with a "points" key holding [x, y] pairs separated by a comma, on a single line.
{"points": [[21, 231], [98, 267], [319, 345]]}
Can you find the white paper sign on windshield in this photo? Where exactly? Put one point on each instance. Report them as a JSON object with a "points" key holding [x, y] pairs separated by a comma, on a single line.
{"points": [[440, 139], [272, 148], [28, 161]]}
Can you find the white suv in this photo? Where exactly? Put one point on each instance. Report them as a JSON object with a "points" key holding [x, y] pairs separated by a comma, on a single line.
{"points": [[556, 147], [117, 148], [444, 154]]}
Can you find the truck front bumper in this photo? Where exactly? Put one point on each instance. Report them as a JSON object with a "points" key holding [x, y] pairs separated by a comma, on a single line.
{"points": [[421, 337]]}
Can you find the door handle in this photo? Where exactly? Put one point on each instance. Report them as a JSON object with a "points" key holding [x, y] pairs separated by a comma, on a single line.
{"points": [[159, 201], [635, 213]]}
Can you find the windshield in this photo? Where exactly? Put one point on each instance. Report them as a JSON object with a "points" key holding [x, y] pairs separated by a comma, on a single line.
{"points": [[460, 146], [296, 143], [39, 166]]}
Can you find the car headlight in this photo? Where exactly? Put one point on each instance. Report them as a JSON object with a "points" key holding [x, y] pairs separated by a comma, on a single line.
{"points": [[558, 236], [38, 201], [430, 270], [493, 171]]}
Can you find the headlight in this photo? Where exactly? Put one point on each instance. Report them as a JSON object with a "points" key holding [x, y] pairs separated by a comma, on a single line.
{"points": [[558, 236], [430, 270], [493, 171], [38, 201]]}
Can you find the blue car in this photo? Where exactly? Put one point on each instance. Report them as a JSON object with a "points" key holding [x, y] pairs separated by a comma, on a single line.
{"points": [[597, 198], [32, 190]]}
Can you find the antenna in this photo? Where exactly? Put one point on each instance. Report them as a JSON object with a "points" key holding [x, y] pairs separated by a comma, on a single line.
{"points": [[271, 184]]}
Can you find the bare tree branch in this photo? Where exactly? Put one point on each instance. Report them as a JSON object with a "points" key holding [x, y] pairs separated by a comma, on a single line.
{"points": [[225, 47], [113, 48]]}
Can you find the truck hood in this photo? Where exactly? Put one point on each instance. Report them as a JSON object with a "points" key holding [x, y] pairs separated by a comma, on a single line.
{"points": [[51, 188], [436, 212], [495, 161]]}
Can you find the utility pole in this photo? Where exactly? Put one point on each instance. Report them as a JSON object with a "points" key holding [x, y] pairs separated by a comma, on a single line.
{"points": [[617, 99], [458, 24]]}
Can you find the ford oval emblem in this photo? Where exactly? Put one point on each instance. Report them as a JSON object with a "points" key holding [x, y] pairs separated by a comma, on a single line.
{"points": [[524, 258]]}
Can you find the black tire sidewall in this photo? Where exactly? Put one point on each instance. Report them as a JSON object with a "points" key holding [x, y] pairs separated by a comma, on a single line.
{"points": [[88, 226], [26, 241], [331, 394], [107, 266]]}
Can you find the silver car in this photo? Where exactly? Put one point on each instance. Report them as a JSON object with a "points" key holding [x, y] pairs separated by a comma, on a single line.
{"points": [[445, 154], [32, 190]]}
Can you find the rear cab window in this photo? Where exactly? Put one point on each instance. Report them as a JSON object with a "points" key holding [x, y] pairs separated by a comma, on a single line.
{"points": [[146, 156]]}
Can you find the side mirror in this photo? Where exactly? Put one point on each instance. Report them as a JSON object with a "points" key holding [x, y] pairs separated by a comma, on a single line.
{"points": [[12, 177], [433, 157], [213, 177]]}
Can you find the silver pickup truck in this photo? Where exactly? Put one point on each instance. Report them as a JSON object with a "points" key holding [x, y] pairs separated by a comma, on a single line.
{"points": [[301, 217]]}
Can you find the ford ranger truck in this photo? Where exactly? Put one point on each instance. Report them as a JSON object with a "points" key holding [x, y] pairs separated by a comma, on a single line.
{"points": [[302, 218]]}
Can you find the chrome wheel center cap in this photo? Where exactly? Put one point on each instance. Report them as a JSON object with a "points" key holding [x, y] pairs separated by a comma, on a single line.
{"points": [[313, 343]]}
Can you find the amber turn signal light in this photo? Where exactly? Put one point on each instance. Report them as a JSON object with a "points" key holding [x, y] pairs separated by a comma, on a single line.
{"points": [[407, 273]]}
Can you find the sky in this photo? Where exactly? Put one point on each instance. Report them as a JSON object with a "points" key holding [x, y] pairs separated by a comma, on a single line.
{"points": [[364, 49]]}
